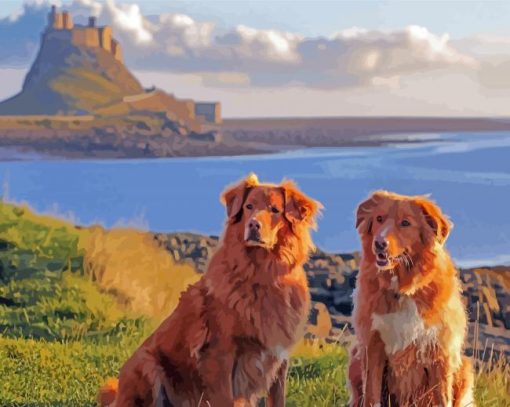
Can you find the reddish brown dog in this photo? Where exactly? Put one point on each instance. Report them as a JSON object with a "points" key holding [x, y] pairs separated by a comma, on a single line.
{"points": [[227, 341], [408, 312]]}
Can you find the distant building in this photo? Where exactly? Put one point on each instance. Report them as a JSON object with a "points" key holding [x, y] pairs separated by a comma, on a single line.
{"points": [[209, 111], [86, 36]]}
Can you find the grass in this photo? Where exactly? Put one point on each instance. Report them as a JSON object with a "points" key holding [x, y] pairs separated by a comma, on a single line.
{"points": [[73, 308]]}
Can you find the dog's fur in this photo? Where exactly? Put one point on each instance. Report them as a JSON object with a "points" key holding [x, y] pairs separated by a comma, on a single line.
{"points": [[409, 318], [226, 343]]}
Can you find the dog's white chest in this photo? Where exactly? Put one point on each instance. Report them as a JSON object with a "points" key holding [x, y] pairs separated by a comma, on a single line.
{"points": [[404, 327]]}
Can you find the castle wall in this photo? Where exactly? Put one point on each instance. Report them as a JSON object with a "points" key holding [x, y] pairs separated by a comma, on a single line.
{"points": [[67, 21], [105, 38], [57, 22], [116, 50], [159, 101], [85, 36]]}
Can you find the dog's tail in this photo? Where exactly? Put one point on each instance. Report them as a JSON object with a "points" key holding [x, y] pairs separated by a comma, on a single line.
{"points": [[108, 392]]}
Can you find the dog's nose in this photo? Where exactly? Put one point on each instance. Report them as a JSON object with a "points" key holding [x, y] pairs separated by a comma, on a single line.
{"points": [[254, 224], [381, 244]]}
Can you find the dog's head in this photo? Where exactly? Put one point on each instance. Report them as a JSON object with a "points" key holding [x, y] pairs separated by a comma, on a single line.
{"points": [[397, 229], [265, 214]]}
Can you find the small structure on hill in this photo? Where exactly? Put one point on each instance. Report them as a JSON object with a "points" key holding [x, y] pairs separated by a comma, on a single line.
{"points": [[208, 111], [61, 23]]}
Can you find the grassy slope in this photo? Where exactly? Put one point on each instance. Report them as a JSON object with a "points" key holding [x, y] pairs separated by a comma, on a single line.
{"points": [[61, 337]]}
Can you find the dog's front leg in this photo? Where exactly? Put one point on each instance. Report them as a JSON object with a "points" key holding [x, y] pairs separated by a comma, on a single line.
{"points": [[441, 384], [277, 391], [373, 369], [216, 373]]}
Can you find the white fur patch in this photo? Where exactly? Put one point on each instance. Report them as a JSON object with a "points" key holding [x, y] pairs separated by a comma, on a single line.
{"points": [[384, 231], [468, 400], [394, 283], [404, 327], [281, 353]]}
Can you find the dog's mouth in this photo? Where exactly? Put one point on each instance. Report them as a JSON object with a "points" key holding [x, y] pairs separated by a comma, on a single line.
{"points": [[255, 242], [385, 262], [253, 239]]}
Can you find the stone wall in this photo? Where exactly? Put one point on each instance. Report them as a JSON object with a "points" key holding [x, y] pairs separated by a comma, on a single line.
{"points": [[85, 36]]}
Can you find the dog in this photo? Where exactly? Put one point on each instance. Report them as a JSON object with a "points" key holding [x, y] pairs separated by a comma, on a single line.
{"points": [[409, 319], [227, 342]]}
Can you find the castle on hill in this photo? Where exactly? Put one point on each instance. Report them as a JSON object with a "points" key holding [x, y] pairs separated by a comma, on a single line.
{"points": [[61, 27], [79, 70], [86, 36]]}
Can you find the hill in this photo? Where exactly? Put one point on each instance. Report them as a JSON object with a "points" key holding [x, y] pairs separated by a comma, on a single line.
{"points": [[71, 79], [79, 70]]}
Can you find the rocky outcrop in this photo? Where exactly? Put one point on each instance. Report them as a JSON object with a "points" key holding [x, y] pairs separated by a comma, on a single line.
{"points": [[149, 135], [332, 278]]}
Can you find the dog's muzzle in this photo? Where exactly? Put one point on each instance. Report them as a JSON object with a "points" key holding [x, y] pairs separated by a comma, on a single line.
{"points": [[252, 234], [381, 254]]}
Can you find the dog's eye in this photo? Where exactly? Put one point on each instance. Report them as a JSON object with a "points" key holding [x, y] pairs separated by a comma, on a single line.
{"points": [[249, 206], [379, 219], [405, 223], [274, 210]]}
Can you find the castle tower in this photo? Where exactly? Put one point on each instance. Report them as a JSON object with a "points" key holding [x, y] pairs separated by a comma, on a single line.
{"points": [[55, 19], [67, 20], [105, 38], [116, 50]]}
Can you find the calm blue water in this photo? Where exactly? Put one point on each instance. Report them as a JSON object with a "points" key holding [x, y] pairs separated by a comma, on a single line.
{"points": [[467, 174]]}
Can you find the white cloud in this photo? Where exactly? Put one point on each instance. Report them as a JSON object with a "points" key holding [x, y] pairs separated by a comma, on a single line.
{"points": [[128, 19], [409, 71], [270, 57], [262, 45]]}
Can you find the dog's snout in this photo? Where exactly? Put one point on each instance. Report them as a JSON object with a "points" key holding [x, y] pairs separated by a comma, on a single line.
{"points": [[254, 224], [381, 244]]}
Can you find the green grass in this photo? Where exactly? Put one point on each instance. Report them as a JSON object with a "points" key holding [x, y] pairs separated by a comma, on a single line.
{"points": [[61, 373], [319, 380], [61, 337]]}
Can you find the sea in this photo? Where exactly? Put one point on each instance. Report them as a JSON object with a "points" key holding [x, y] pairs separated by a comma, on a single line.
{"points": [[467, 174]]}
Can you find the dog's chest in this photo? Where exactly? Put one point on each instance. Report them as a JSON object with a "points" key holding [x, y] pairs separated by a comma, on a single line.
{"points": [[275, 316], [404, 327], [255, 370]]}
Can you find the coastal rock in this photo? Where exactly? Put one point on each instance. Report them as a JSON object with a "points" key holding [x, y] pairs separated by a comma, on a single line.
{"points": [[332, 278]]}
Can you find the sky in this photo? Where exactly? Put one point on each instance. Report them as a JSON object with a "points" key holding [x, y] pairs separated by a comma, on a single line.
{"points": [[296, 58]]}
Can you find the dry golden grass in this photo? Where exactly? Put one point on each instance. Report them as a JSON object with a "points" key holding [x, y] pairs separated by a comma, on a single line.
{"points": [[130, 264]]}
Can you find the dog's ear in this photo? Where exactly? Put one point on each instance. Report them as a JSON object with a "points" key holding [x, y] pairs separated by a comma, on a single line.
{"points": [[299, 208], [234, 196], [435, 219], [364, 212]]}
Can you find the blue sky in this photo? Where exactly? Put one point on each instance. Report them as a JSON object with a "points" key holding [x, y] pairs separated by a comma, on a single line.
{"points": [[260, 57], [316, 18]]}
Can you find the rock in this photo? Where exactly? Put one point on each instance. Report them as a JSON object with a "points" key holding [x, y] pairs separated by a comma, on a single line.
{"points": [[332, 278], [320, 321]]}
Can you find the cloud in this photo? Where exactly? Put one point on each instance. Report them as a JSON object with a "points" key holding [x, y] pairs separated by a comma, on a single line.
{"points": [[126, 18], [242, 55]]}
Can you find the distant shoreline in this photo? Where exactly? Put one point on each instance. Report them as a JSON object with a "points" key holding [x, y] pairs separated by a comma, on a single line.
{"points": [[233, 138]]}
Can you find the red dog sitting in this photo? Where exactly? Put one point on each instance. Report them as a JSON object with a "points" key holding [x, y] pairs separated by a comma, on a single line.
{"points": [[408, 312], [227, 341]]}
